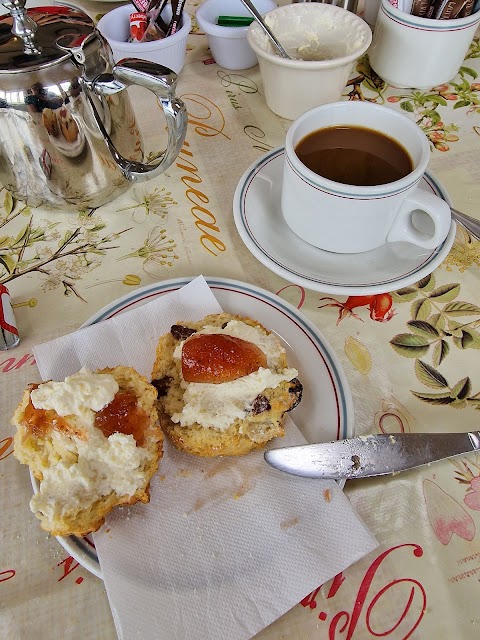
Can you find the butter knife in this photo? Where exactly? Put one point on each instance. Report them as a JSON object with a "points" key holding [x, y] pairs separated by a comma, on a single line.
{"points": [[471, 224], [372, 455]]}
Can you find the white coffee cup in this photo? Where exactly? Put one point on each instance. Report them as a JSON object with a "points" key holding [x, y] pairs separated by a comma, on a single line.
{"points": [[345, 218]]}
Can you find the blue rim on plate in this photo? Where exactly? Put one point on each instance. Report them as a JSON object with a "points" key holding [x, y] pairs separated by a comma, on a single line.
{"points": [[304, 343], [260, 223]]}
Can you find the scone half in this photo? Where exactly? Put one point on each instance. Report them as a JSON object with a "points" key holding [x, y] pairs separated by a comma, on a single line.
{"points": [[235, 413], [93, 441]]}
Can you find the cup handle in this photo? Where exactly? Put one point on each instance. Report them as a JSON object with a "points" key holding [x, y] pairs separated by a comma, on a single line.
{"points": [[162, 82], [406, 228]]}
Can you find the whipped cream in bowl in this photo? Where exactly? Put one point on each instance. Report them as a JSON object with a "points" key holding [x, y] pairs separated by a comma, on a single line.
{"points": [[324, 42]]}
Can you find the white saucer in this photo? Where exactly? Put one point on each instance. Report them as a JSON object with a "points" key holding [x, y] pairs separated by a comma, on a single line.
{"points": [[259, 220]]}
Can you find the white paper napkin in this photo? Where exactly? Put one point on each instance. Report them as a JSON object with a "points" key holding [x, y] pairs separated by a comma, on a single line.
{"points": [[226, 545]]}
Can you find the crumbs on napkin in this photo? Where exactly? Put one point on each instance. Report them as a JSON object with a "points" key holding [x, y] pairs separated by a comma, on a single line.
{"points": [[286, 524]]}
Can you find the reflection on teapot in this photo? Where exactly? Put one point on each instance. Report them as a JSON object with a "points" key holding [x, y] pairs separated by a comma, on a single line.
{"points": [[68, 135]]}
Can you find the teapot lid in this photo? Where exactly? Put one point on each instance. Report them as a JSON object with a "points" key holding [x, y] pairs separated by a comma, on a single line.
{"points": [[52, 23]]}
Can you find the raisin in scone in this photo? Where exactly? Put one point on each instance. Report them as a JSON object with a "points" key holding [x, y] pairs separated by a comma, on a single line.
{"points": [[93, 441], [223, 385]]}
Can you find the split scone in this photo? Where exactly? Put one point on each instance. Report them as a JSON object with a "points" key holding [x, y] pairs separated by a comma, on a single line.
{"points": [[93, 441], [223, 385]]}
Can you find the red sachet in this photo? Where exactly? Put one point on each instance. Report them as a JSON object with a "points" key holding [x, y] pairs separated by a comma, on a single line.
{"points": [[138, 26]]}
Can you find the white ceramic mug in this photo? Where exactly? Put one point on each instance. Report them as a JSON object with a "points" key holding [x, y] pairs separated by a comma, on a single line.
{"points": [[345, 218], [408, 51]]}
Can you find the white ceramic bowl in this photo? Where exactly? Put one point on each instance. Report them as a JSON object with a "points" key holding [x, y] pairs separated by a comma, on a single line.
{"points": [[169, 52], [229, 45], [330, 36]]}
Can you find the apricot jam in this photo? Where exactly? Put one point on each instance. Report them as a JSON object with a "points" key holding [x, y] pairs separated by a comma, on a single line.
{"points": [[41, 421], [122, 415], [217, 358]]}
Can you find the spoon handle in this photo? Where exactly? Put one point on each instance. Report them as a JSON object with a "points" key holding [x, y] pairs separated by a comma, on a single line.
{"points": [[471, 224], [260, 21]]}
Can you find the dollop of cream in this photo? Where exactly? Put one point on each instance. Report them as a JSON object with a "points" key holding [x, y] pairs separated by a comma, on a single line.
{"points": [[78, 393], [218, 405], [102, 465]]}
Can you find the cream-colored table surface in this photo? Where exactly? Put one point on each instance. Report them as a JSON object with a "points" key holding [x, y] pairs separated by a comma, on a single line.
{"points": [[412, 368]]}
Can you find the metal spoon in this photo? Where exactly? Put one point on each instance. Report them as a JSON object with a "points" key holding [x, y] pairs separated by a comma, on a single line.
{"points": [[468, 222], [267, 30]]}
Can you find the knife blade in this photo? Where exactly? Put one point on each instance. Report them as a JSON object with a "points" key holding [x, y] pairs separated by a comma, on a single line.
{"points": [[372, 455]]}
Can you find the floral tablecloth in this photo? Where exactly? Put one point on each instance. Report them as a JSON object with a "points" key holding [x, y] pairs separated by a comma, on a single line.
{"points": [[410, 356]]}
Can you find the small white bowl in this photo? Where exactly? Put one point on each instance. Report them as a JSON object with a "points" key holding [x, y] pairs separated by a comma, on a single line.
{"points": [[229, 45], [169, 52], [333, 38]]}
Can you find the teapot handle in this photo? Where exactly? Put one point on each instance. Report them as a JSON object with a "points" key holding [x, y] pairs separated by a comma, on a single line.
{"points": [[162, 82]]}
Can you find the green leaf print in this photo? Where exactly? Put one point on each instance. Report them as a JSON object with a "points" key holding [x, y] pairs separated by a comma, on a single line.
{"points": [[410, 345], [437, 99], [421, 309], [462, 103], [440, 352], [8, 203], [429, 376], [407, 106], [468, 339], [427, 283], [469, 72], [446, 293], [462, 389], [461, 309], [22, 235], [8, 262], [439, 321], [423, 328], [434, 398], [404, 295]]}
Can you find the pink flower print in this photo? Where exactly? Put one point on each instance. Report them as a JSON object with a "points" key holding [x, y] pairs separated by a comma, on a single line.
{"points": [[426, 122], [446, 515], [472, 499]]}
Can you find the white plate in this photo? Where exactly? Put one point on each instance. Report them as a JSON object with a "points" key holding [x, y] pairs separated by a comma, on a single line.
{"points": [[326, 410], [259, 220]]}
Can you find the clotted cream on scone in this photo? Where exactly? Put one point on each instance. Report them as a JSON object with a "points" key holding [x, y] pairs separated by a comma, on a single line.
{"points": [[223, 385]]}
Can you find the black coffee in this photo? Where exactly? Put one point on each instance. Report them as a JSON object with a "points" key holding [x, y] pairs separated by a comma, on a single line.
{"points": [[354, 155]]}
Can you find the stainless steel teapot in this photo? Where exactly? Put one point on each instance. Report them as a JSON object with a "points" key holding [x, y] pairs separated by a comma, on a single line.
{"points": [[68, 134]]}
